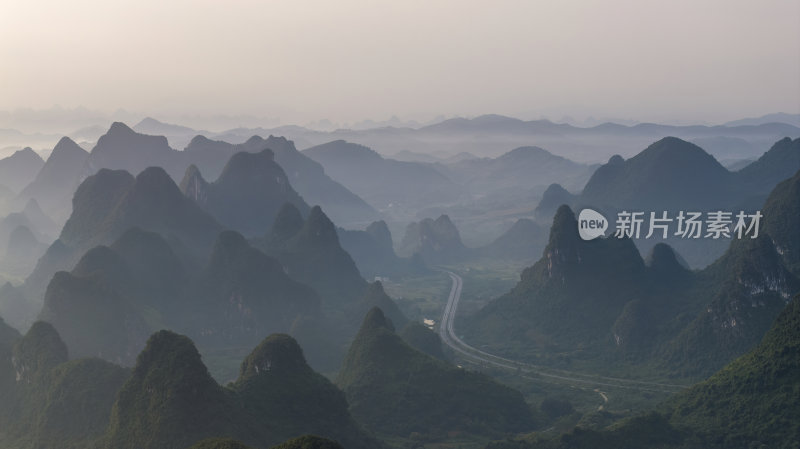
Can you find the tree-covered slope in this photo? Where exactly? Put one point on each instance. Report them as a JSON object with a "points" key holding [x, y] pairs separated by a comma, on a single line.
{"points": [[395, 389]]}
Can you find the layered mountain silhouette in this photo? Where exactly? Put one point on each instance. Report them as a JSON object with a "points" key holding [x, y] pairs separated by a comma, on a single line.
{"points": [[523, 168], [17, 170], [373, 252], [248, 193], [670, 174], [385, 184], [172, 401], [306, 176], [525, 240], [674, 175], [109, 203], [117, 295], [395, 389], [554, 196], [435, 241], [600, 294], [41, 221], [177, 135], [310, 252], [58, 179], [167, 400], [122, 148], [22, 251], [243, 293], [108, 305]]}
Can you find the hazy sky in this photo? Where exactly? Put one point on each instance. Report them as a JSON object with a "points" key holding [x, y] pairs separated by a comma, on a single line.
{"points": [[348, 60]]}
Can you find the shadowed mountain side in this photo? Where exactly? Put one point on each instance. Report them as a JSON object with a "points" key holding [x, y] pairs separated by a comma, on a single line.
{"points": [[55, 184], [111, 202], [385, 184], [242, 295], [435, 241], [277, 396], [248, 193], [751, 402], [310, 252], [122, 148], [306, 176], [56, 403], [673, 175], [17, 170], [599, 294], [373, 252], [525, 240], [523, 168], [427, 395]]}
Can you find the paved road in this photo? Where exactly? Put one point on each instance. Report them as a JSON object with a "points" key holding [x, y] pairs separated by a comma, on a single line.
{"points": [[583, 380]]}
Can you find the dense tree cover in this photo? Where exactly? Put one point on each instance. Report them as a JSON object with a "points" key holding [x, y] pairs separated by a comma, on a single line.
{"points": [[599, 299], [753, 402], [168, 400], [397, 390], [50, 402]]}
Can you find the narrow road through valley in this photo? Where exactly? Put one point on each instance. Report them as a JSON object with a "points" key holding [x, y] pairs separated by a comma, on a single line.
{"points": [[583, 380]]}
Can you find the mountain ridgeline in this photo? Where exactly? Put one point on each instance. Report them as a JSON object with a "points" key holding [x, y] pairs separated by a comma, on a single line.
{"points": [[600, 294], [167, 400], [248, 193], [200, 313], [138, 255], [751, 402], [427, 395]]}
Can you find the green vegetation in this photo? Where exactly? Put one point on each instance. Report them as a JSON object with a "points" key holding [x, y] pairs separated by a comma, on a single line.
{"points": [[784, 202], [171, 401], [396, 390], [596, 306], [419, 337], [751, 403], [51, 402], [755, 400]]}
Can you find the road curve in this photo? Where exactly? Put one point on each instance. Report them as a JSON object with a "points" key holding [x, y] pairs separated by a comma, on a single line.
{"points": [[475, 355]]}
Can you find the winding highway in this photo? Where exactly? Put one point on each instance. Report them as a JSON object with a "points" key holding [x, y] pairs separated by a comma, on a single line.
{"points": [[582, 380]]}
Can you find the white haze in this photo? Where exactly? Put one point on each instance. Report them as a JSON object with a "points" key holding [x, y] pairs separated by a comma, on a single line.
{"points": [[302, 61]]}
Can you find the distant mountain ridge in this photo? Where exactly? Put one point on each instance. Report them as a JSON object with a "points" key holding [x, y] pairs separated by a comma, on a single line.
{"points": [[521, 168], [57, 180], [384, 183], [248, 193], [306, 176], [17, 170], [673, 175]]}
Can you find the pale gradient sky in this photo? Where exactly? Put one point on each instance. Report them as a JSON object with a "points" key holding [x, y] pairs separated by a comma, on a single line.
{"points": [[347, 60]]}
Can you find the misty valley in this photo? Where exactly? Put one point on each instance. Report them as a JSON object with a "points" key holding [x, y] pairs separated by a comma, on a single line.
{"points": [[437, 286]]}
